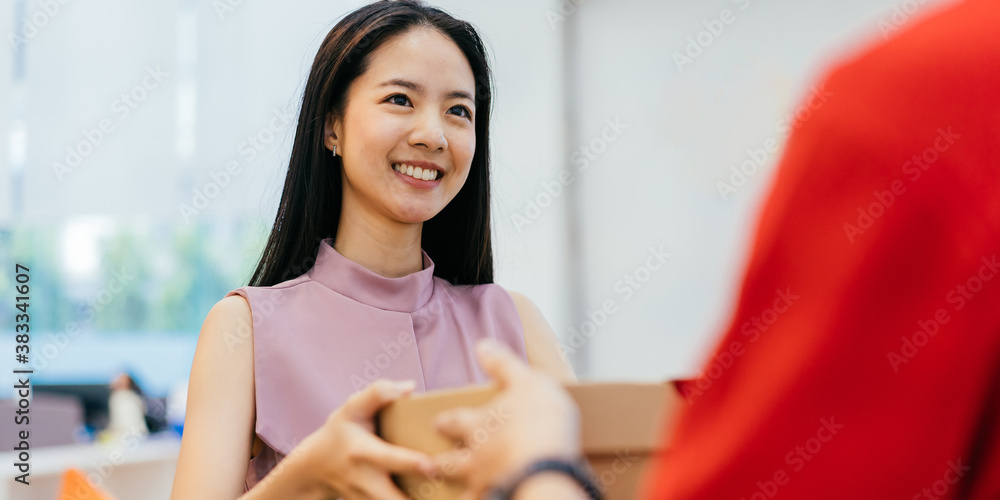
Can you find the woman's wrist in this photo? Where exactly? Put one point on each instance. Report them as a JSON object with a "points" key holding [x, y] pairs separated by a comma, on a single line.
{"points": [[293, 477], [307, 469]]}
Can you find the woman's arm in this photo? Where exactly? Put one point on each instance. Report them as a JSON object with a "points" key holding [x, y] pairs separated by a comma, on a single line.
{"points": [[218, 425], [343, 455], [540, 341]]}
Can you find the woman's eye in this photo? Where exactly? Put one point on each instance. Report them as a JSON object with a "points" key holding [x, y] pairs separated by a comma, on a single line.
{"points": [[400, 99], [463, 109]]}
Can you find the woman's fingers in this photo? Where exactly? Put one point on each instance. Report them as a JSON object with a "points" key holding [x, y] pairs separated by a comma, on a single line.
{"points": [[458, 423], [499, 362], [394, 458], [453, 464], [384, 488], [362, 406], [377, 485]]}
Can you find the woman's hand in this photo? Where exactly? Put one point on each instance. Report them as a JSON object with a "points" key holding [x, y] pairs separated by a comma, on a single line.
{"points": [[533, 417], [348, 460]]}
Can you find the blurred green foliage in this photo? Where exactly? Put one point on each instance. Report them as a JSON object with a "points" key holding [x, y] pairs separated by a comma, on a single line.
{"points": [[149, 277]]}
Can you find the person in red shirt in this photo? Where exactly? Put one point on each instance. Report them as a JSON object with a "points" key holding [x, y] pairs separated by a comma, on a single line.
{"points": [[863, 359]]}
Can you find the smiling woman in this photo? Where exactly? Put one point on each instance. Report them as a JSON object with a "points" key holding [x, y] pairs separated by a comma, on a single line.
{"points": [[413, 107], [379, 266]]}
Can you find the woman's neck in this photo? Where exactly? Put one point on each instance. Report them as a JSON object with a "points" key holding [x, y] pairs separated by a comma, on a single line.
{"points": [[388, 248]]}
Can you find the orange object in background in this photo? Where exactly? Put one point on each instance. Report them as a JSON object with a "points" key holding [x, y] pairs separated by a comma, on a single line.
{"points": [[75, 486]]}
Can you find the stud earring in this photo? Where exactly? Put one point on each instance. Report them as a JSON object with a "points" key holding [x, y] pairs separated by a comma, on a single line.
{"points": [[333, 150]]}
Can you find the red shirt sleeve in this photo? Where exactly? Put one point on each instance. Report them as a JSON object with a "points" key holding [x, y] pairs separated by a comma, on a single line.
{"points": [[863, 360]]}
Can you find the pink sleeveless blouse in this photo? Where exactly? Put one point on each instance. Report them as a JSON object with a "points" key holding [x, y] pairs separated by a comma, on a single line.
{"points": [[322, 336]]}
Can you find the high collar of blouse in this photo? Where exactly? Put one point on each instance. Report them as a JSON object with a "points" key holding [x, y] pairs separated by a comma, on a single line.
{"points": [[346, 277]]}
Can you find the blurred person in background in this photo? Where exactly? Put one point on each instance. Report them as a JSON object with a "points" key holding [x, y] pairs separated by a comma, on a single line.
{"points": [[126, 409], [865, 347], [379, 265]]}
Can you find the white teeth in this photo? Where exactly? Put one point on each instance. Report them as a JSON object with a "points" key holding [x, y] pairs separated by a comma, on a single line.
{"points": [[416, 172]]}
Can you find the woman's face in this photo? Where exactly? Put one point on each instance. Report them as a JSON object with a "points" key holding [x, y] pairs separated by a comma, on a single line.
{"points": [[413, 107]]}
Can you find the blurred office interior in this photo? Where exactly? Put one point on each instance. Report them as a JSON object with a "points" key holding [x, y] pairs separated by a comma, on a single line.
{"points": [[630, 159]]}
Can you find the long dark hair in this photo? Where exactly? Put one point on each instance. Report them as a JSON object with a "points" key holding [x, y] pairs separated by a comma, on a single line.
{"points": [[457, 238]]}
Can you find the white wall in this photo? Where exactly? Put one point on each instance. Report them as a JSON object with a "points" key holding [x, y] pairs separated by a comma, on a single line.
{"points": [[689, 123]]}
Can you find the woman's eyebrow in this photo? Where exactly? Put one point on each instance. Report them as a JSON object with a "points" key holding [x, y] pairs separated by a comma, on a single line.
{"points": [[416, 87]]}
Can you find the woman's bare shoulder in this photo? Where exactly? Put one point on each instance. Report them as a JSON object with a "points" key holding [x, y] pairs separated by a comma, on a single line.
{"points": [[229, 308], [231, 319]]}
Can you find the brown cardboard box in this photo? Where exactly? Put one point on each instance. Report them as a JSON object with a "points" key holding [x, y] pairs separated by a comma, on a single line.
{"points": [[621, 430]]}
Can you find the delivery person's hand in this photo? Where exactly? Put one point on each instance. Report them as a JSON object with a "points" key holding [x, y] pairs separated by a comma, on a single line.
{"points": [[348, 460], [532, 418]]}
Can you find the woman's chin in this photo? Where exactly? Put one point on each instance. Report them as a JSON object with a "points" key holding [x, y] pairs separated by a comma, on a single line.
{"points": [[415, 215]]}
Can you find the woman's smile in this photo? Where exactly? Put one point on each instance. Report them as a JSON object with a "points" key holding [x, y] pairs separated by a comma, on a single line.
{"points": [[423, 175]]}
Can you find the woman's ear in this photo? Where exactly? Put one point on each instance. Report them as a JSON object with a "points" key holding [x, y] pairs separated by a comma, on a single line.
{"points": [[330, 129]]}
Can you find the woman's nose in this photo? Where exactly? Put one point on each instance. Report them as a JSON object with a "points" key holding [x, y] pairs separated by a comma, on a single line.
{"points": [[429, 132]]}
